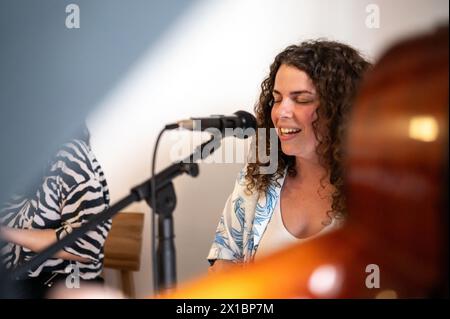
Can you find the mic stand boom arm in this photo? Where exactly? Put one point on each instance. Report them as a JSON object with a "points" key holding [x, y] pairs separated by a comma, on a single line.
{"points": [[164, 206]]}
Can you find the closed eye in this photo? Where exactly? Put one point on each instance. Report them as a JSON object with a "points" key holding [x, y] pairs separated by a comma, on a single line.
{"points": [[300, 101], [277, 100]]}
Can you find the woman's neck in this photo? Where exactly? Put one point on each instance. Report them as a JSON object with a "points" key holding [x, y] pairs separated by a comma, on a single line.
{"points": [[309, 169], [311, 175]]}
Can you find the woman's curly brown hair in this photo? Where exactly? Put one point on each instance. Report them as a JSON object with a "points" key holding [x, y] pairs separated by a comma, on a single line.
{"points": [[336, 71]]}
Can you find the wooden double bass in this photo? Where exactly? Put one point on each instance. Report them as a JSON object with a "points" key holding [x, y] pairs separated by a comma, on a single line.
{"points": [[395, 243]]}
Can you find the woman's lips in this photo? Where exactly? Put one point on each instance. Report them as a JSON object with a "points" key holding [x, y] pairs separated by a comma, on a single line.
{"points": [[287, 137]]}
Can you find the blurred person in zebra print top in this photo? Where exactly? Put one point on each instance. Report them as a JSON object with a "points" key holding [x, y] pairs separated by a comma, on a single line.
{"points": [[72, 189]]}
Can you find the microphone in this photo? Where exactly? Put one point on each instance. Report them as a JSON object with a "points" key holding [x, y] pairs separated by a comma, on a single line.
{"points": [[239, 120]]}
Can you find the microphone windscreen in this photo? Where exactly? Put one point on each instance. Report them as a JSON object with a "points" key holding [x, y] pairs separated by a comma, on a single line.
{"points": [[247, 119]]}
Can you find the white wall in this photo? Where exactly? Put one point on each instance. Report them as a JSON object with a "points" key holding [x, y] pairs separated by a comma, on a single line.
{"points": [[212, 62]]}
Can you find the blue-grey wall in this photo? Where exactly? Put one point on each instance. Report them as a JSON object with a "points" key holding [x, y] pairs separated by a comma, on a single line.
{"points": [[52, 76]]}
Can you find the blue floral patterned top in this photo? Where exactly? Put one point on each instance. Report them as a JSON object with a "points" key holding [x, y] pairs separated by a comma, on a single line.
{"points": [[243, 221]]}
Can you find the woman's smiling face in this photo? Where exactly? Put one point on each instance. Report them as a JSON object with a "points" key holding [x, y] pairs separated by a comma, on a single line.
{"points": [[294, 111]]}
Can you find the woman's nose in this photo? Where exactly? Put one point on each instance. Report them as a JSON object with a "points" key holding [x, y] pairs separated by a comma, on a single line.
{"points": [[285, 108]]}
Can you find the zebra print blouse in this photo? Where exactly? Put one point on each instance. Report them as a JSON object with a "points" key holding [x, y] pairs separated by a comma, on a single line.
{"points": [[73, 189]]}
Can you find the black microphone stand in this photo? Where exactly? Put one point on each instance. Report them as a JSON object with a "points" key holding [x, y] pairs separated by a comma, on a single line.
{"points": [[165, 205]]}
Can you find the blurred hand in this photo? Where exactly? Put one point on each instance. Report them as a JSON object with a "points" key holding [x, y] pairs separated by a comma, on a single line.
{"points": [[88, 291]]}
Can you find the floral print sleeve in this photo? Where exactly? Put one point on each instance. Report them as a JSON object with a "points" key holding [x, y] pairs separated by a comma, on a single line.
{"points": [[243, 221]]}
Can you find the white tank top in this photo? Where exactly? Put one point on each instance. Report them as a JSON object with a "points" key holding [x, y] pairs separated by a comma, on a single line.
{"points": [[277, 236]]}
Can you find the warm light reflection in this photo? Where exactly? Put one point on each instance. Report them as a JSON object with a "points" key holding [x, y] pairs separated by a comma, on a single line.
{"points": [[387, 294], [325, 281], [423, 128]]}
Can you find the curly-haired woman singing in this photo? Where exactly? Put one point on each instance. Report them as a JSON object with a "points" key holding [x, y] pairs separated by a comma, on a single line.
{"points": [[306, 98]]}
